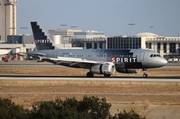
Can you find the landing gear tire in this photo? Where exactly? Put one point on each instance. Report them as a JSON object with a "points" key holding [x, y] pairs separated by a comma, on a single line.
{"points": [[107, 75], [90, 74], [145, 75]]}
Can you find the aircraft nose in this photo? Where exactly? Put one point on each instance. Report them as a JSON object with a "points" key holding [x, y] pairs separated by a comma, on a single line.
{"points": [[163, 61]]}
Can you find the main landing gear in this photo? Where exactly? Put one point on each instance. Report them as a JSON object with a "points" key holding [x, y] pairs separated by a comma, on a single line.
{"points": [[90, 74], [144, 74], [107, 75]]}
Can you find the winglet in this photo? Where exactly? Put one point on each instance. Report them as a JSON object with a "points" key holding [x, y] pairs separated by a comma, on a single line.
{"points": [[42, 41]]}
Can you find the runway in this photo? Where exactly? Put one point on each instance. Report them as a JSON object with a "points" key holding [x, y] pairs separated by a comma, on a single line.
{"points": [[82, 78]]}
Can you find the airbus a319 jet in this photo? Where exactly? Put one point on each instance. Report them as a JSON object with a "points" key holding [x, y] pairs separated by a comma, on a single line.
{"points": [[98, 61]]}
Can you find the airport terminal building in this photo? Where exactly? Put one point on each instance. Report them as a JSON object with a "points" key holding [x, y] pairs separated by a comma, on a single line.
{"points": [[166, 46], [89, 39]]}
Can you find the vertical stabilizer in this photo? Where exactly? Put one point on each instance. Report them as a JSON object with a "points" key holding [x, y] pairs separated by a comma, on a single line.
{"points": [[42, 41]]}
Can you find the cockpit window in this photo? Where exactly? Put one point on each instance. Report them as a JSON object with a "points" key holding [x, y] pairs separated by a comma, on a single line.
{"points": [[155, 55]]}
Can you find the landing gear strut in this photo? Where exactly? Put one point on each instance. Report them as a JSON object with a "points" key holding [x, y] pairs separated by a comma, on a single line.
{"points": [[107, 75], [145, 75], [90, 74]]}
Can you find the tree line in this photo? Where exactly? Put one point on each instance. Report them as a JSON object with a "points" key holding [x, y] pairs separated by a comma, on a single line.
{"points": [[90, 107]]}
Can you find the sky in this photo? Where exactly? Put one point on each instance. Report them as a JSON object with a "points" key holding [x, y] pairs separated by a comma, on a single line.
{"points": [[112, 17]]}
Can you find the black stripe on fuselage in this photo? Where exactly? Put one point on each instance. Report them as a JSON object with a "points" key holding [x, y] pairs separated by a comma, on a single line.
{"points": [[133, 65]]}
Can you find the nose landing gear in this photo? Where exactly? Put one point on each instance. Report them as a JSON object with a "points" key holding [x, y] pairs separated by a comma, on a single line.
{"points": [[144, 74]]}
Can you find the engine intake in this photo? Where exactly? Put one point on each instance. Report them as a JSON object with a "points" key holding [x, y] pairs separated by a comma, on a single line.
{"points": [[107, 68]]}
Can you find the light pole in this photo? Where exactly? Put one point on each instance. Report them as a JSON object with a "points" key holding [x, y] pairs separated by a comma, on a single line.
{"points": [[12, 51], [23, 50], [73, 26], [12, 37], [131, 24], [151, 27], [23, 28], [63, 25]]}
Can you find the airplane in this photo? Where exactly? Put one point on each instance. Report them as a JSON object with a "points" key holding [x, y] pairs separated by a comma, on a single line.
{"points": [[98, 61]]}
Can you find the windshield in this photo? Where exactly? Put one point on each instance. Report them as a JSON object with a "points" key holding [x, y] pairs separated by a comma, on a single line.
{"points": [[155, 55]]}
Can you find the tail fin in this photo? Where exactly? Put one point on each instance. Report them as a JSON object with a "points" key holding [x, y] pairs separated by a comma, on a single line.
{"points": [[42, 41]]}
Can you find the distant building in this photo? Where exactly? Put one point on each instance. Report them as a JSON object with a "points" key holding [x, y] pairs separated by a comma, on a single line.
{"points": [[166, 46], [78, 38], [89, 39], [7, 18], [19, 39], [124, 42], [62, 37]]}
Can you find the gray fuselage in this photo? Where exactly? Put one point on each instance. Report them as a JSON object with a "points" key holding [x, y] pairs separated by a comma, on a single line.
{"points": [[122, 58]]}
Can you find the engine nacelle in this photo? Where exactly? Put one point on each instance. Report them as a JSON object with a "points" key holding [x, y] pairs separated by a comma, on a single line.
{"points": [[128, 70], [107, 68]]}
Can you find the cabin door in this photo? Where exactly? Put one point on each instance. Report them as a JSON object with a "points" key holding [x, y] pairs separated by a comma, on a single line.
{"points": [[141, 56]]}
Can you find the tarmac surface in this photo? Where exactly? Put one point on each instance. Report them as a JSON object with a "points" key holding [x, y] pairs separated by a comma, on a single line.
{"points": [[82, 78]]}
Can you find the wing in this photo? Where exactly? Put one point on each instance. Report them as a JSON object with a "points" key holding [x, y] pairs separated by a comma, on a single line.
{"points": [[36, 55], [72, 62]]}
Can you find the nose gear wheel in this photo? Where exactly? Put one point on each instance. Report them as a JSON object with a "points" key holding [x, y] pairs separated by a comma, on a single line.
{"points": [[144, 74]]}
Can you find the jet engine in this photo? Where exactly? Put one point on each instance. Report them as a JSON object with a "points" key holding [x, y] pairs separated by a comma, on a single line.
{"points": [[107, 68], [128, 70]]}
